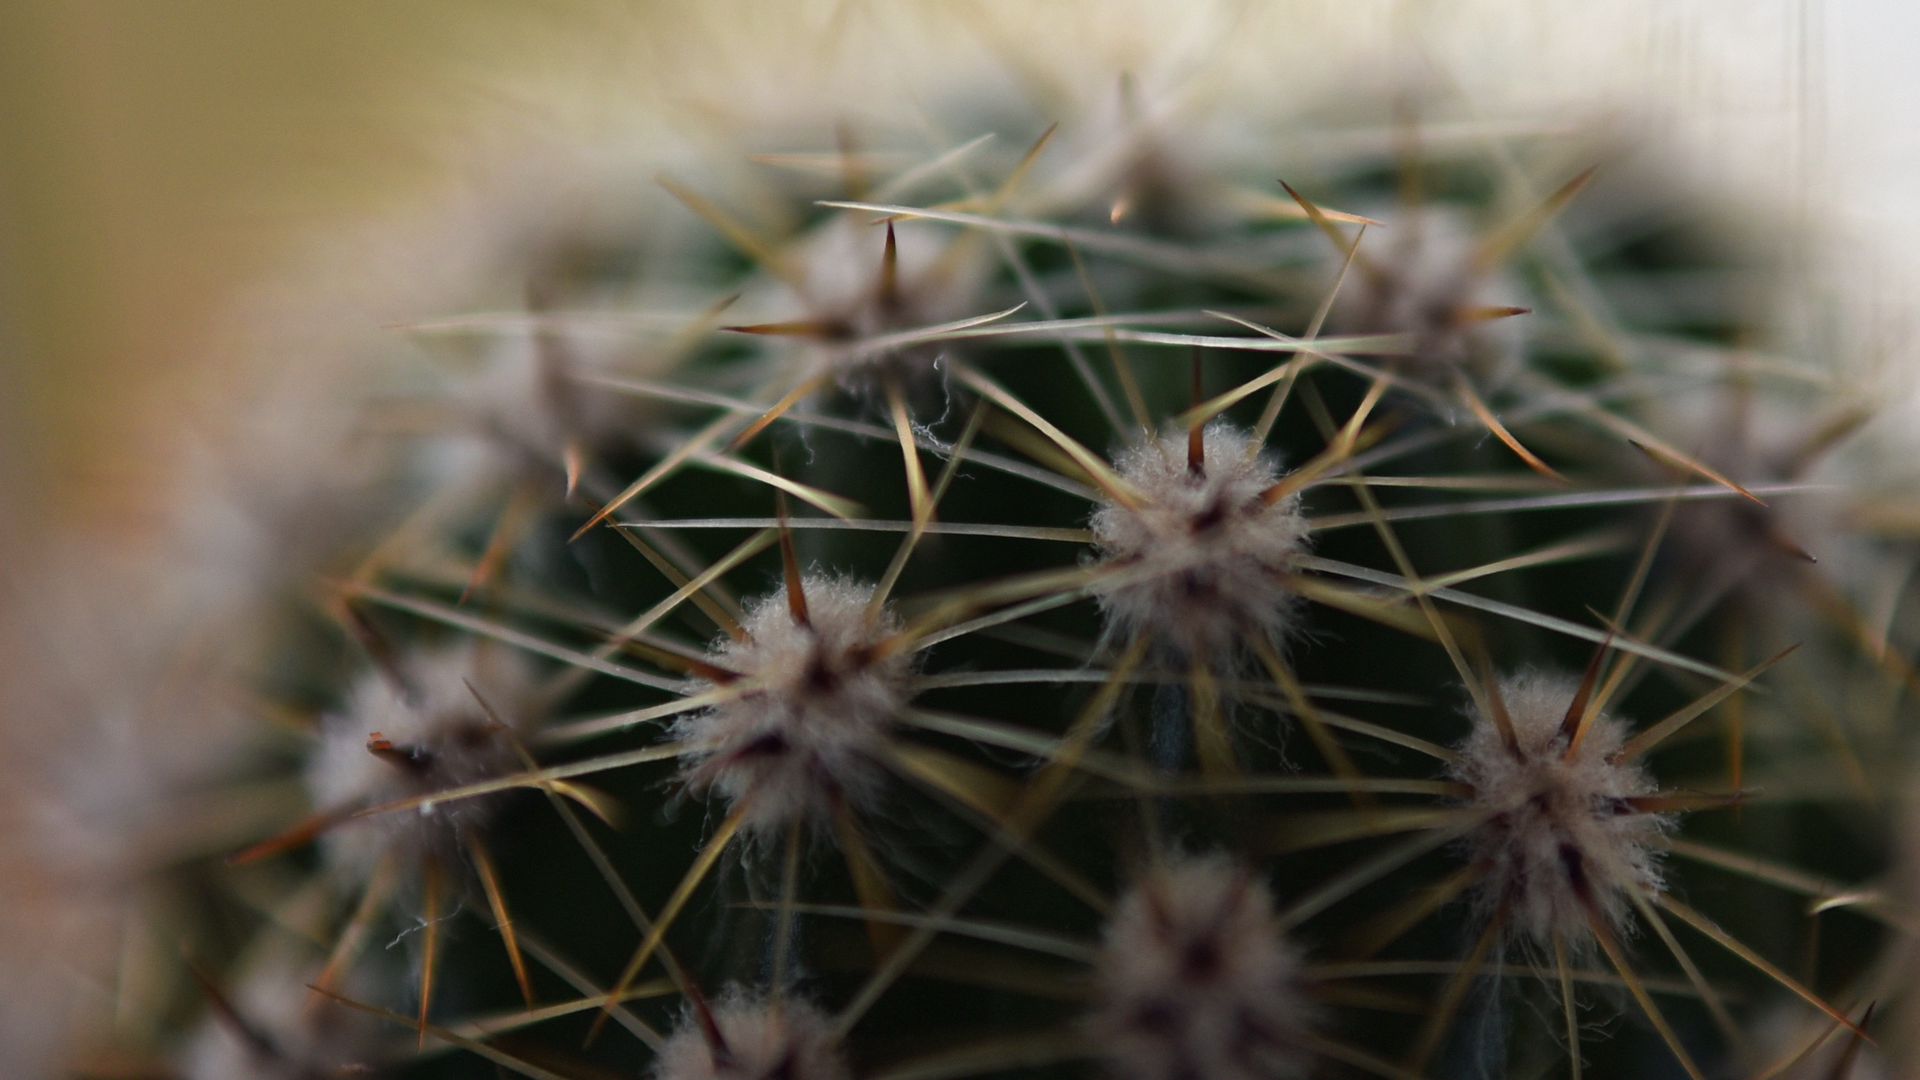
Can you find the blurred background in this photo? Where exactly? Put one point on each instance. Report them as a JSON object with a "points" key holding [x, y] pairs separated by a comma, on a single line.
{"points": [[159, 160]]}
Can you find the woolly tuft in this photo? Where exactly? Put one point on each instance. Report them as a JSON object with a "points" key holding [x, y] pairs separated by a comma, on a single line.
{"points": [[753, 1040], [1213, 551], [1562, 840], [811, 728], [441, 738], [1194, 979]]}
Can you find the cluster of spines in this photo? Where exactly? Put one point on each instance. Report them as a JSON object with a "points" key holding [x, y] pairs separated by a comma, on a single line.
{"points": [[808, 716]]}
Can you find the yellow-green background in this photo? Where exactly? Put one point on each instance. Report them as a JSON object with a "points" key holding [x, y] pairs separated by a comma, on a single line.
{"points": [[155, 155]]}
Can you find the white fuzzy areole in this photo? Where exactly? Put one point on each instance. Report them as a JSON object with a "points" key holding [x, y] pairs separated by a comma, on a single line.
{"points": [[1194, 979], [527, 407], [453, 741], [813, 729], [790, 1039], [308, 1042], [1422, 276], [1213, 552], [840, 267], [1561, 838], [1728, 545]]}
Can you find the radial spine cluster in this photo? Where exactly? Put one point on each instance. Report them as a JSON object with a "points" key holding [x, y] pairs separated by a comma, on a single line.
{"points": [[1203, 553], [818, 699], [438, 720], [1194, 978], [1562, 840]]}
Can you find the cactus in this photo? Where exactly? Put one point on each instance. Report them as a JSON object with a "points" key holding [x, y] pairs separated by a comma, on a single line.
{"points": [[1049, 612]]}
